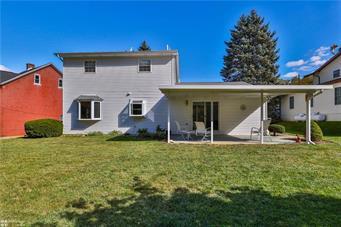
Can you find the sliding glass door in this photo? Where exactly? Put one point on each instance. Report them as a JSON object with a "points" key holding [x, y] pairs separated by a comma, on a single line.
{"points": [[202, 112]]}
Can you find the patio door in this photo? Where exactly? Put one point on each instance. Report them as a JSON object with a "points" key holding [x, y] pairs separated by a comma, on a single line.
{"points": [[202, 112]]}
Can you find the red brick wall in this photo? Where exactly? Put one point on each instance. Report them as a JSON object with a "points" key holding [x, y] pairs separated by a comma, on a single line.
{"points": [[21, 101]]}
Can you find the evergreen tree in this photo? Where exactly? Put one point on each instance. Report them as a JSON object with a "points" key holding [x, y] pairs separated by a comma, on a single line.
{"points": [[144, 46], [251, 54]]}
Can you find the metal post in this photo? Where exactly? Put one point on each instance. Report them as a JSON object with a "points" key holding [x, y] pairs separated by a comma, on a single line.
{"points": [[211, 122], [261, 134], [308, 119], [168, 123]]}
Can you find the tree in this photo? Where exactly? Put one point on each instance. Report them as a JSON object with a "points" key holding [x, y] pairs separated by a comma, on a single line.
{"points": [[144, 46], [251, 54]]}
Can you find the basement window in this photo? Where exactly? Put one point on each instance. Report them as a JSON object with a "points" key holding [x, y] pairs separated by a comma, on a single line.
{"points": [[36, 79], [137, 108]]}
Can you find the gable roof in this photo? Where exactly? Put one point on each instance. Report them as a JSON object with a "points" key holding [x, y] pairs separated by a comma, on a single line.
{"points": [[5, 75], [117, 54], [330, 60], [13, 77]]}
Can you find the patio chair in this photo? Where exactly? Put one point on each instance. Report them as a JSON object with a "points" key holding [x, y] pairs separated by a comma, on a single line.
{"points": [[257, 131], [185, 134], [202, 130]]}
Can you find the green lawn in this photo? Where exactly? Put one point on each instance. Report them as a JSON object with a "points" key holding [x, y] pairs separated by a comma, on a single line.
{"points": [[102, 181]]}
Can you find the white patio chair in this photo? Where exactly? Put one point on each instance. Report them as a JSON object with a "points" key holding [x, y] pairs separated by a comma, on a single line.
{"points": [[185, 134], [202, 130], [257, 131]]}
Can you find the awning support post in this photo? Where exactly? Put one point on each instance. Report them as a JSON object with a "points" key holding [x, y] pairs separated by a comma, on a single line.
{"points": [[168, 123], [212, 122], [308, 98], [261, 134]]}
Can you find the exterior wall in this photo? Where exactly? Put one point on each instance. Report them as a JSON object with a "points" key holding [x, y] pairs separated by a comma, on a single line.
{"points": [[22, 101], [232, 120], [116, 81], [323, 103]]}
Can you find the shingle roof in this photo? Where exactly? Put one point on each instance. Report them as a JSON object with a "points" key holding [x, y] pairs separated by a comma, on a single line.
{"points": [[5, 75], [213, 83], [118, 54]]}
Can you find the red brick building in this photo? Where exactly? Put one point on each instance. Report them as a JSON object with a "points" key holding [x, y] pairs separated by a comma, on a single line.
{"points": [[33, 94]]}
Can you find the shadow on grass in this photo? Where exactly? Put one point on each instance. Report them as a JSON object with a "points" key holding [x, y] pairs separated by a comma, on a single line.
{"points": [[237, 206], [130, 138]]}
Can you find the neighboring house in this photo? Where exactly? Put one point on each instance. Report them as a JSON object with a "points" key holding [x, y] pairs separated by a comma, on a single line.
{"points": [[328, 103], [33, 94], [127, 91]]}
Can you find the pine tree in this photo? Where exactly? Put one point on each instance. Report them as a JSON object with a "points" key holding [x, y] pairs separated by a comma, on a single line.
{"points": [[251, 54], [144, 46]]}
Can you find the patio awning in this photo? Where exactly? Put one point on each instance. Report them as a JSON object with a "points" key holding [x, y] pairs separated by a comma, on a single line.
{"points": [[89, 98], [226, 88]]}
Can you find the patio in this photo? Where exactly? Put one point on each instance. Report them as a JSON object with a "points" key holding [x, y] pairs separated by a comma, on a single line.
{"points": [[234, 139]]}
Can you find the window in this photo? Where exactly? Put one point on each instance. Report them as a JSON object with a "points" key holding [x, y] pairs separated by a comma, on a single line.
{"points": [[137, 108], [145, 65], [338, 96], [37, 79], [336, 73], [89, 110], [90, 66], [292, 102], [60, 82], [312, 102]]}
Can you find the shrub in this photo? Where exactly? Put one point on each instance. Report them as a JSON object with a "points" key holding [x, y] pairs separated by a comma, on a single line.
{"points": [[276, 128], [160, 133], [316, 132], [43, 128], [115, 133], [95, 133], [143, 133]]}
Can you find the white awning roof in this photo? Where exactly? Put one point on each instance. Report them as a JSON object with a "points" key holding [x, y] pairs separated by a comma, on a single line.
{"points": [[266, 89]]}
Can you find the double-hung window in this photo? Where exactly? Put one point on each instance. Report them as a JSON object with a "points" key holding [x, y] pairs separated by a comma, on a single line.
{"points": [[90, 66], [60, 83], [338, 96], [89, 110], [37, 79], [137, 108], [145, 65], [292, 102], [336, 73]]}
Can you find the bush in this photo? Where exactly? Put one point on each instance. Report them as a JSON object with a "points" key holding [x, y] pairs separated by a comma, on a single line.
{"points": [[143, 133], [275, 128], [115, 133], [43, 128], [95, 133], [160, 133], [316, 132]]}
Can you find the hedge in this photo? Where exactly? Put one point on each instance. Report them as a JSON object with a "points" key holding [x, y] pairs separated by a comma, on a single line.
{"points": [[275, 128], [43, 128], [316, 132]]}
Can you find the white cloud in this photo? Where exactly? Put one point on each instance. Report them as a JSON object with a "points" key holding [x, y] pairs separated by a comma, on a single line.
{"points": [[305, 68], [315, 58], [318, 62], [4, 68], [323, 51], [291, 75], [295, 63]]}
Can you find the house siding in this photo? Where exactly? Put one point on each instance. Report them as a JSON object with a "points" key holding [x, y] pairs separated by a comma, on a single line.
{"points": [[323, 103], [116, 81]]}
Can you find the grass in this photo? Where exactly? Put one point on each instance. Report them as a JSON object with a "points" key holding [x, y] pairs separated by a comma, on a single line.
{"points": [[100, 180]]}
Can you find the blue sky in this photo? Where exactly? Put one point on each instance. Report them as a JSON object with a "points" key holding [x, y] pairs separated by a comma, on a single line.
{"points": [[33, 31]]}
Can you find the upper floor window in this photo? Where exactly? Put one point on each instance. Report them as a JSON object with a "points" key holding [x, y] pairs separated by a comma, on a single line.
{"points": [[89, 66], [338, 96], [37, 79], [145, 65], [336, 73], [60, 82], [292, 102]]}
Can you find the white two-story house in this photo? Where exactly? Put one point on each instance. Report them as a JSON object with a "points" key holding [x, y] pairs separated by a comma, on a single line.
{"points": [[328, 103], [127, 91]]}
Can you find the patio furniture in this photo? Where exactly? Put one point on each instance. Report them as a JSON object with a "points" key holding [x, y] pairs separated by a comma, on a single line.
{"points": [[257, 131], [185, 134], [317, 116], [299, 117], [202, 130]]}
